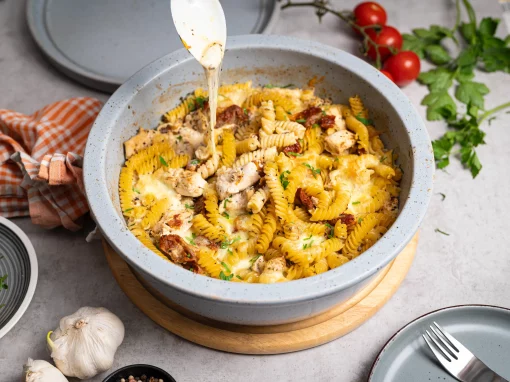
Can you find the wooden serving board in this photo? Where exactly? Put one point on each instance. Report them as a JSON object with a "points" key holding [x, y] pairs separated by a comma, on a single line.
{"points": [[273, 339]]}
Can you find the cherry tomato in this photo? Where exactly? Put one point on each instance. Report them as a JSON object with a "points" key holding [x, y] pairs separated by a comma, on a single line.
{"points": [[386, 36], [369, 13], [404, 67], [387, 74]]}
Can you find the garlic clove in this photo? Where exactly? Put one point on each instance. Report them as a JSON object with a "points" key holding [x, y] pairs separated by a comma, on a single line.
{"points": [[42, 371], [85, 342]]}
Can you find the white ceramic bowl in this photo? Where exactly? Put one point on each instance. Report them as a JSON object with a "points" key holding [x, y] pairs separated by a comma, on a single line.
{"points": [[263, 59]]}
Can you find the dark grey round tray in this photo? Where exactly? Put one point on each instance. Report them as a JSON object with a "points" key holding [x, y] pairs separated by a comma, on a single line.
{"points": [[103, 43]]}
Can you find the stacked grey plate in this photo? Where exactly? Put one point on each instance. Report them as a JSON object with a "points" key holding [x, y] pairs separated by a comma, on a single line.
{"points": [[102, 43], [19, 263]]}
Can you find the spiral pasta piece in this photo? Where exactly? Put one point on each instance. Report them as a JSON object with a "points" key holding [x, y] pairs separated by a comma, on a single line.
{"points": [[283, 127], [276, 190], [267, 232], [257, 201], [335, 260], [295, 272], [146, 240], [211, 206], [319, 267], [209, 168], [247, 145], [340, 230], [278, 140], [375, 204], [203, 227], [258, 155], [357, 107], [229, 148], [155, 213], [281, 114], [126, 193], [357, 127], [359, 232], [179, 112], [267, 111], [208, 262], [334, 210]]}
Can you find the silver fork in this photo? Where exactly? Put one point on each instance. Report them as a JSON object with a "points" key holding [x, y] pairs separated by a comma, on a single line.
{"points": [[458, 360]]}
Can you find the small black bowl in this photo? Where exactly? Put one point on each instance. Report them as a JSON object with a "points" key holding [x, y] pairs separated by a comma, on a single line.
{"points": [[137, 371]]}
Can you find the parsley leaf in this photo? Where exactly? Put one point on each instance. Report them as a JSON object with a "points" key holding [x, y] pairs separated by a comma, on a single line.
{"points": [[239, 277], [437, 79], [3, 284], [440, 106], [227, 200], [189, 207], [225, 214], [315, 171], [331, 230], [284, 179], [437, 54], [366, 122], [128, 209], [179, 137], [472, 93], [301, 120], [163, 161], [200, 101], [226, 278], [227, 268], [439, 231], [194, 162], [294, 154], [192, 239], [354, 203], [443, 196], [253, 259]]}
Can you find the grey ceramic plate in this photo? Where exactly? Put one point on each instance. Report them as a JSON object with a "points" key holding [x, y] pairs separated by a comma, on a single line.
{"points": [[19, 263], [483, 329], [103, 43]]}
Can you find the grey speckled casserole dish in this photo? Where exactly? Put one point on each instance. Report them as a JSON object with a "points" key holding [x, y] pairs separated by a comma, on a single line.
{"points": [[262, 59]]}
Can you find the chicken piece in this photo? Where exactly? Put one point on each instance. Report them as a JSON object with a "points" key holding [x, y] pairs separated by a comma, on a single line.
{"points": [[197, 120], [202, 241], [231, 181], [188, 135], [180, 252], [242, 223], [186, 183], [144, 139], [173, 222], [339, 120], [337, 143], [273, 271], [232, 114], [259, 265], [237, 202]]}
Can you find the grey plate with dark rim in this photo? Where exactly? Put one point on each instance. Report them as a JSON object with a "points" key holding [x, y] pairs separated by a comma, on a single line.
{"points": [[18, 262], [483, 329], [103, 43]]}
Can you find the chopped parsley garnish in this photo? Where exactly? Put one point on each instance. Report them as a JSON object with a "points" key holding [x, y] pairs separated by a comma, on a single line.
{"points": [[239, 277], [360, 220], [443, 196], [200, 101], [288, 112], [269, 86], [227, 200], [331, 230], [308, 245], [315, 171], [316, 126], [366, 122], [163, 161], [301, 120], [308, 238], [192, 239], [135, 190], [195, 161], [490, 120], [253, 259], [227, 268], [287, 86], [127, 210], [295, 154], [323, 112], [188, 255], [245, 110], [439, 231], [383, 159], [225, 214], [284, 179], [225, 244], [355, 203], [189, 207], [179, 138], [229, 251], [226, 278]]}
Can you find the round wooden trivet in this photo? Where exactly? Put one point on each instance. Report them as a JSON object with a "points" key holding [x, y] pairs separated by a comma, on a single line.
{"points": [[273, 339]]}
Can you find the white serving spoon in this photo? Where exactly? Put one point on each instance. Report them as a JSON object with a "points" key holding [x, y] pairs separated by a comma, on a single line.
{"points": [[203, 30]]}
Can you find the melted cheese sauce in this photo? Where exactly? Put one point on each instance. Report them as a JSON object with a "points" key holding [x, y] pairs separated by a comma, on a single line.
{"points": [[150, 184]]}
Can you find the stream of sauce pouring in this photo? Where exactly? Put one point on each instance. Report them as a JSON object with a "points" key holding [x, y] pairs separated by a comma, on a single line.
{"points": [[211, 61]]}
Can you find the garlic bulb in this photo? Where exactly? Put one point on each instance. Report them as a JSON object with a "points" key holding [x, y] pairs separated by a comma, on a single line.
{"points": [[85, 342], [42, 371]]}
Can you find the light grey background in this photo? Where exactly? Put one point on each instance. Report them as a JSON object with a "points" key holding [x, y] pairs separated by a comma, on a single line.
{"points": [[469, 266]]}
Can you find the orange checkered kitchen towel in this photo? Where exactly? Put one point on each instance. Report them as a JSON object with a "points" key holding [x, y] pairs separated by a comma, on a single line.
{"points": [[41, 160]]}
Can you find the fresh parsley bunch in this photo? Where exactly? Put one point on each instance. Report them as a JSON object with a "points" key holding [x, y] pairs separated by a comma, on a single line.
{"points": [[480, 49]]}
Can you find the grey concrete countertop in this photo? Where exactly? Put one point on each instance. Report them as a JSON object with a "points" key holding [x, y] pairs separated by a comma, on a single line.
{"points": [[471, 265]]}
